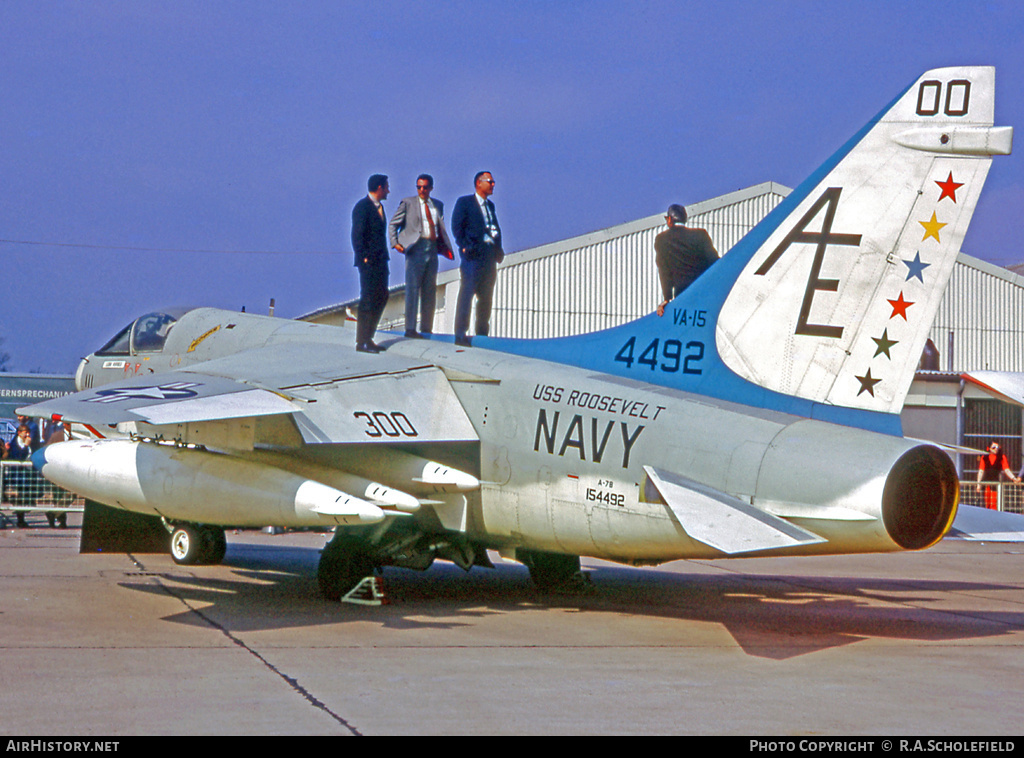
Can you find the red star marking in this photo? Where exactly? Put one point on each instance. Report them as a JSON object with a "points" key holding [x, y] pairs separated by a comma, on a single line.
{"points": [[949, 187], [899, 307]]}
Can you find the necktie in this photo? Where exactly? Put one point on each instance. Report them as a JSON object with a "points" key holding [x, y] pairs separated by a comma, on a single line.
{"points": [[492, 228], [430, 220]]}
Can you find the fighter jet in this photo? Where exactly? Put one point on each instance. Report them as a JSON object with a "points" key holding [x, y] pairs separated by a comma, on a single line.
{"points": [[759, 416]]}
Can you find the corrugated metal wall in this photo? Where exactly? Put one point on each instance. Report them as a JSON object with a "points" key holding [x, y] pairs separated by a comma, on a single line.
{"points": [[611, 281], [577, 291], [984, 309]]}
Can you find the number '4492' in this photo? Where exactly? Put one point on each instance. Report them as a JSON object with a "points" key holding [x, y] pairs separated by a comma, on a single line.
{"points": [[668, 355]]}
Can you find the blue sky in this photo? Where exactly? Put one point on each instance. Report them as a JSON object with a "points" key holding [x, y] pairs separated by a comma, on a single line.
{"points": [[226, 142]]}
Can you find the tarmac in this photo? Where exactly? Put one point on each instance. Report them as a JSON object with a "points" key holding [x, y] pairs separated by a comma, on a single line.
{"points": [[924, 643]]}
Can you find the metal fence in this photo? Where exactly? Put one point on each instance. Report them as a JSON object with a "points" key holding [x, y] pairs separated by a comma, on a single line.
{"points": [[23, 490], [1006, 496]]}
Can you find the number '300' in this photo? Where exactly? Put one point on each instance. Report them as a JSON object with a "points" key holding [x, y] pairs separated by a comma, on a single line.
{"points": [[382, 424]]}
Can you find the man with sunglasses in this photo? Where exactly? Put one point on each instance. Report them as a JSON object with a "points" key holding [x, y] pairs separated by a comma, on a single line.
{"points": [[476, 231], [990, 466], [417, 231]]}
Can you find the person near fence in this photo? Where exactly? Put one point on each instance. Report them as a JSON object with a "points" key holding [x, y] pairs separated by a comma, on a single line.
{"points": [[33, 429], [990, 467], [15, 485]]}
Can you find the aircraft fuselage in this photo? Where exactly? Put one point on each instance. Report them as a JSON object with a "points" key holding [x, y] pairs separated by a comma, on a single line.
{"points": [[564, 456]]}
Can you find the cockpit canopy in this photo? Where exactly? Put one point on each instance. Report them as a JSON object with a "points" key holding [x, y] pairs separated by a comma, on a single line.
{"points": [[146, 334]]}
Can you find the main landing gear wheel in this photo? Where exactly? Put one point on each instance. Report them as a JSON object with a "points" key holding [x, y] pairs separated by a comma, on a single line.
{"points": [[217, 543], [343, 564], [553, 571], [193, 544]]}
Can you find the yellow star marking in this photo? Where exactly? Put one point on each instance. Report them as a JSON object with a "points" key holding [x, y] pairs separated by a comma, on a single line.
{"points": [[931, 228]]}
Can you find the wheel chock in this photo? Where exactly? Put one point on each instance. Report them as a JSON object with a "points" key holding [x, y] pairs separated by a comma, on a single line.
{"points": [[369, 591]]}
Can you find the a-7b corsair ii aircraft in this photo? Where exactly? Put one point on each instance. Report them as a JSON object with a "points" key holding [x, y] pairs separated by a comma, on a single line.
{"points": [[759, 416]]}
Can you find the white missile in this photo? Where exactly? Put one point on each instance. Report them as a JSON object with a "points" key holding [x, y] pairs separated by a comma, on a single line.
{"points": [[442, 478], [387, 496], [183, 484], [418, 475], [376, 492]]}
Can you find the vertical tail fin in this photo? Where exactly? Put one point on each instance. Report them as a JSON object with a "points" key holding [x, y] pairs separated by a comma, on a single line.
{"points": [[835, 304], [823, 309]]}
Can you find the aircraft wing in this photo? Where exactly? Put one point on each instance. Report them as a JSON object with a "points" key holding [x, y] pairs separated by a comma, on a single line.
{"points": [[981, 524], [723, 521], [414, 405], [333, 397], [173, 397]]}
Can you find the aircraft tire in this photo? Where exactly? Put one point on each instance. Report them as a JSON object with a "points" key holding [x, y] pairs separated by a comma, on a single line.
{"points": [[551, 571], [215, 545], [188, 545], [342, 564]]}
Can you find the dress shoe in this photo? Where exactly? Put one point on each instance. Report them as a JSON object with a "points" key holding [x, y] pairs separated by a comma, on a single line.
{"points": [[414, 335], [367, 347], [463, 341], [375, 346]]}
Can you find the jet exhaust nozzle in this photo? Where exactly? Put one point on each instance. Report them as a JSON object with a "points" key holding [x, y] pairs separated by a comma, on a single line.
{"points": [[919, 501]]}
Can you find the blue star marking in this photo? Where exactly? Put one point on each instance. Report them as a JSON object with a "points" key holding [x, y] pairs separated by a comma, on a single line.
{"points": [[916, 267]]}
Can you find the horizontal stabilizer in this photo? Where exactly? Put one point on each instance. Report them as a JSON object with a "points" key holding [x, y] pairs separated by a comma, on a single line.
{"points": [[723, 521], [1007, 386], [949, 448], [981, 524]]}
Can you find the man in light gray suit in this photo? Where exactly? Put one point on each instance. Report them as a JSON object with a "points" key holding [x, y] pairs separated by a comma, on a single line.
{"points": [[417, 231]]}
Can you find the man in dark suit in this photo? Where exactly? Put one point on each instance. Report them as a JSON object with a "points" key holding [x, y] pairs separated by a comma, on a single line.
{"points": [[370, 244], [476, 231], [681, 254]]}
